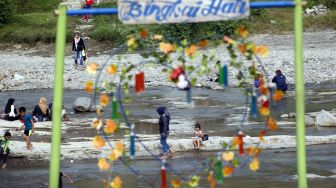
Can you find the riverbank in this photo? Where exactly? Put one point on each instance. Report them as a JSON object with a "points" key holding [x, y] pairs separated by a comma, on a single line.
{"points": [[28, 69]]}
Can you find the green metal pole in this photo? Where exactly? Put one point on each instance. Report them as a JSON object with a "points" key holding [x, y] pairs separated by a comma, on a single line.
{"points": [[57, 99], [300, 104]]}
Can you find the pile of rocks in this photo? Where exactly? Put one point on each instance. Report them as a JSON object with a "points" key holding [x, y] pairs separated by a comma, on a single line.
{"points": [[316, 10], [322, 118]]}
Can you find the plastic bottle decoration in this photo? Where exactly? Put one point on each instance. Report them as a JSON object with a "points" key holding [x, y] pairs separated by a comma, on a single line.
{"points": [[241, 142], [219, 170], [189, 99], [223, 76], [163, 175], [254, 107], [132, 143], [139, 82], [115, 109]]}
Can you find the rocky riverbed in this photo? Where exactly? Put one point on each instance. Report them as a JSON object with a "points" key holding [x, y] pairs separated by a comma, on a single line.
{"points": [[24, 68]]}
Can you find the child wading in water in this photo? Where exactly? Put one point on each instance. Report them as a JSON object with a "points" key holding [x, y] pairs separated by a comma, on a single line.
{"points": [[28, 125], [198, 136], [4, 148]]}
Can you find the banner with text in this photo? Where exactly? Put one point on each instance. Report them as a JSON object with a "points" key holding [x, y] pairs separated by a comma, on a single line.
{"points": [[178, 11]]}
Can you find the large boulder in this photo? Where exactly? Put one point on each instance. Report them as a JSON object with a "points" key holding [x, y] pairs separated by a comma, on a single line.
{"points": [[82, 104], [309, 121], [325, 119]]}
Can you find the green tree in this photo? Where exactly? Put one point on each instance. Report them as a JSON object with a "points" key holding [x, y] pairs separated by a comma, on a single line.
{"points": [[6, 11]]}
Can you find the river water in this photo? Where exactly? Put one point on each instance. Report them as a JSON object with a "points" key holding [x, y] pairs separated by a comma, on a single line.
{"points": [[219, 113]]}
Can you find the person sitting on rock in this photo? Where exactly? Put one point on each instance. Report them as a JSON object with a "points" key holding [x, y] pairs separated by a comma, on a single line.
{"points": [[198, 136], [10, 111], [4, 148], [41, 111], [280, 81], [64, 113]]}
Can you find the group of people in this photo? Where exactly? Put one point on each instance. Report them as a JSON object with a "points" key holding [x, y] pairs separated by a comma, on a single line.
{"points": [[164, 121]]}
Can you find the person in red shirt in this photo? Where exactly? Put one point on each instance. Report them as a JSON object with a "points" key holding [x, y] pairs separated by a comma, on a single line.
{"points": [[88, 4]]}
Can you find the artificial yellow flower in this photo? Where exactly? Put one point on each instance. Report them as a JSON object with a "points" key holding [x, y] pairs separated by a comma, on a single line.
{"points": [[120, 147], [112, 69], [116, 183], [228, 170], [176, 183], [110, 126], [88, 86], [114, 155], [103, 164], [254, 165], [203, 43], [96, 123], [262, 50], [157, 37], [166, 47], [253, 151], [229, 40], [228, 156], [194, 182], [130, 41], [212, 180], [104, 99], [98, 142], [92, 68], [264, 111]]}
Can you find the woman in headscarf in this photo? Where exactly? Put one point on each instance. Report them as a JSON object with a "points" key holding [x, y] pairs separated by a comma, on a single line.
{"points": [[41, 111], [10, 111]]}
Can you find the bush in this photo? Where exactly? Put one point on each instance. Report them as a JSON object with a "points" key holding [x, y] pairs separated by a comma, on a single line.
{"points": [[27, 6], [6, 11]]}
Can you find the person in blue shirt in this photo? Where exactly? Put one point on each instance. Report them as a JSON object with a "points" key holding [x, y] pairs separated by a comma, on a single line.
{"points": [[4, 148], [280, 81], [28, 127]]}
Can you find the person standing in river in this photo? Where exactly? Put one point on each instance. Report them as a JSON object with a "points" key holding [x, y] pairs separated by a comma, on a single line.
{"points": [[164, 130], [77, 47]]}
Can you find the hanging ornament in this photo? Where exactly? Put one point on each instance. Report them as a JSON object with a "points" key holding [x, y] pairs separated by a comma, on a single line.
{"points": [[241, 142], [163, 175], [115, 109], [219, 170], [174, 75], [189, 99], [223, 76], [140, 82], [132, 143], [183, 83], [254, 108]]}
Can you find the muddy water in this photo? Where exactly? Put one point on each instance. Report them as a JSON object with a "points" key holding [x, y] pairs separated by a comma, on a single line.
{"points": [[218, 111]]}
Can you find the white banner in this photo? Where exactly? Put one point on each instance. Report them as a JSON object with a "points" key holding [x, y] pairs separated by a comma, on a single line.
{"points": [[178, 11]]}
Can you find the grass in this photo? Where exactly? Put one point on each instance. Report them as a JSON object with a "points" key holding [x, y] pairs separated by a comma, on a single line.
{"points": [[33, 27]]}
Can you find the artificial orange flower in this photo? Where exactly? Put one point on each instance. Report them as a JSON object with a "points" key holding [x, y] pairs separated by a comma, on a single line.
{"points": [[253, 151], [263, 90], [229, 40], [254, 165], [88, 86], [262, 134], [112, 69], [98, 142], [278, 94], [212, 180], [116, 183], [130, 41], [243, 32], [264, 111], [272, 124], [242, 48], [228, 170], [203, 43], [104, 99], [96, 123], [92, 68], [103, 164], [175, 183], [143, 33], [166, 47], [228, 156], [190, 51], [98, 110], [110, 126]]}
